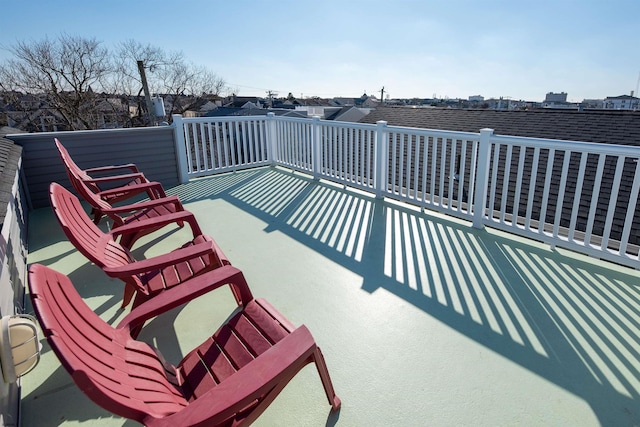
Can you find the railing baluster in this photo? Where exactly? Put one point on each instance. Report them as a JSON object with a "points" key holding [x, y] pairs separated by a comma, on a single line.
{"points": [[452, 170], [410, 184], [532, 188], [461, 173], [203, 147], [401, 166], [594, 199], [352, 156], [211, 152], [416, 165], [561, 193], [546, 189], [392, 144], [516, 200], [473, 172], [631, 210], [505, 184], [577, 195], [434, 158], [613, 198], [251, 140], [443, 171], [425, 167], [187, 137], [196, 145], [494, 181], [225, 145], [334, 150]]}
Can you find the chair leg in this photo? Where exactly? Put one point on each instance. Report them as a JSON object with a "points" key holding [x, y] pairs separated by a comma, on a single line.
{"points": [[334, 400], [97, 215], [129, 292], [139, 299], [236, 294]]}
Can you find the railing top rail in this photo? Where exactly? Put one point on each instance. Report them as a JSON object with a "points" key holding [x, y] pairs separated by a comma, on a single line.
{"points": [[560, 144], [352, 125], [449, 134], [332, 123], [222, 119]]}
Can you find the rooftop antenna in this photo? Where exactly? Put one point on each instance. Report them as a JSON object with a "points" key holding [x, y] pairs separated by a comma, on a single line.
{"points": [[382, 94]]}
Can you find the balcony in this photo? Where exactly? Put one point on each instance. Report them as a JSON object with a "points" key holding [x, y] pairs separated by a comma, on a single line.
{"points": [[432, 267]]}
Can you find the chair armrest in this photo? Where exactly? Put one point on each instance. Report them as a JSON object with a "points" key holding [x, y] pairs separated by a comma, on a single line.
{"points": [[160, 261], [272, 369], [153, 189], [185, 292], [130, 166], [158, 222], [128, 176], [172, 200]]}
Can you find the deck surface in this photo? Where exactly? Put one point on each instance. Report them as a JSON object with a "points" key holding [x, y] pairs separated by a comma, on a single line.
{"points": [[422, 319]]}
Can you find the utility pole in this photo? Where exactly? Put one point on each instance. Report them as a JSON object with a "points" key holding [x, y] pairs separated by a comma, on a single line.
{"points": [[382, 95], [147, 96], [270, 95]]}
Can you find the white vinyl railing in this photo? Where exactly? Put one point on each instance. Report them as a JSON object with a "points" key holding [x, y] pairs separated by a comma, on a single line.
{"points": [[217, 145], [577, 195]]}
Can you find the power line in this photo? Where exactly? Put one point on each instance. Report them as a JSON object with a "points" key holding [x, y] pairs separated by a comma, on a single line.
{"points": [[308, 94]]}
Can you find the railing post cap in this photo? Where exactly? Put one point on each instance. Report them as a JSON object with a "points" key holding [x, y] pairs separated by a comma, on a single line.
{"points": [[271, 114], [315, 118], [381, 122], [486, 130]]}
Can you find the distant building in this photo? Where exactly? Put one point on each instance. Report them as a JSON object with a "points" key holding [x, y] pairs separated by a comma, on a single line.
{"points": [[592, 103], [556, 97], [622, 102], [558, 100], [476, 98]]}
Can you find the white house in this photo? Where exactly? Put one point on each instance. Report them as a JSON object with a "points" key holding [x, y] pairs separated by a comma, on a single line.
{"points": [[622, 102]]}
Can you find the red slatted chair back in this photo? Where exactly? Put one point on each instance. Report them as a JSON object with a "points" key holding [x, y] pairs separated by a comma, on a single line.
{"points": [[124, 376], [72, 168], [87, 237]]}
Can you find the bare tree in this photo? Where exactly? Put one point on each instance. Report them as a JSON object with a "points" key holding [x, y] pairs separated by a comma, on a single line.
{"points": [[66, 70], [80, 80], [167, 74]]}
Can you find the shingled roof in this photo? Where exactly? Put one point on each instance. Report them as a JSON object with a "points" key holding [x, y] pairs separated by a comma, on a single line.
{"points": [[9, 159], [612, 127]]}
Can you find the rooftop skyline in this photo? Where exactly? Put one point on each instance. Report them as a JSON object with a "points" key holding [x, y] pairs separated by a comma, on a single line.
{"points": [[412, 48]]}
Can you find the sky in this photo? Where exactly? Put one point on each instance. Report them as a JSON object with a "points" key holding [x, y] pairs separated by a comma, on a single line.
{"points": [[517, 49]]}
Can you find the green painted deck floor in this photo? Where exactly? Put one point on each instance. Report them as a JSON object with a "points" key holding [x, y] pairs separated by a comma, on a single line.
{"points": [[422, 319]]}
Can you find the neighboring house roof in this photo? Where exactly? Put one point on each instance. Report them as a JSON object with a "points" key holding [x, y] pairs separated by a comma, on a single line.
{"points": [[9, 156], [606, 126], [313, 102], [346, 114], [621, 97], [240, 101]]}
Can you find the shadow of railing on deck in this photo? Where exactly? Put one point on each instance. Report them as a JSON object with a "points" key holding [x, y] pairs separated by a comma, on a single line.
{"points": [[569, 321]]}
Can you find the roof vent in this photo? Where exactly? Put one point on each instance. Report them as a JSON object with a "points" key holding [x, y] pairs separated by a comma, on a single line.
{"points": [[19, 346]]}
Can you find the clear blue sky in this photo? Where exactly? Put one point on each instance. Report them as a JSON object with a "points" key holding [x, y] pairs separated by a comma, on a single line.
{"points": [[512, 48]]}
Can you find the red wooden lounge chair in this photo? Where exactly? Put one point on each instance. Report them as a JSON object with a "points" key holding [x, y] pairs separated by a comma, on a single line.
{"points": [[127, 214], [116, 184], [146, 278], [229, 380]]}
